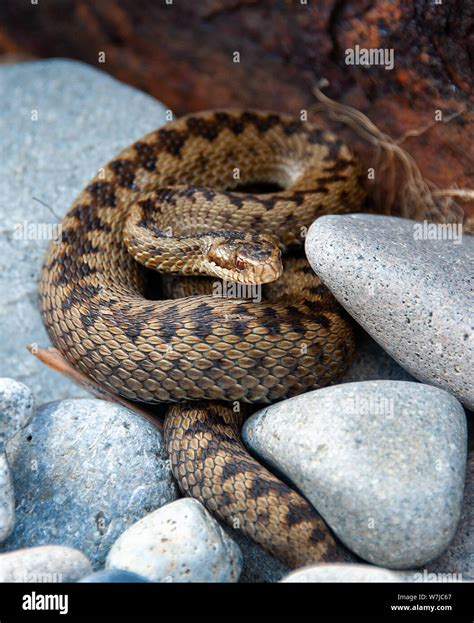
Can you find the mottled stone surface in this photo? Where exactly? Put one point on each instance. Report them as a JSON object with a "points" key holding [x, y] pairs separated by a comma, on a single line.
{"points": [[180, 542], [7, 499], [17, 406], [84, 470], [50, 563], [382, 461], [414, 296], [61, 120], [343, 573], [458, 560]]}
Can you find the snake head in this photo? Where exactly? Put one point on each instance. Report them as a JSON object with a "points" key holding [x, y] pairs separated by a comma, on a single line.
{"points": [[243, 257]]}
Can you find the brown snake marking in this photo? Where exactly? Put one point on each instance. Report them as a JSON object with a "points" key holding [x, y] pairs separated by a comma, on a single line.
{"points": [[204, 347]]}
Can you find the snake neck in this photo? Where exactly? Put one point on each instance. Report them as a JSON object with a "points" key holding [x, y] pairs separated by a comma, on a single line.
{"points": [[181, 254], [160, 236]]}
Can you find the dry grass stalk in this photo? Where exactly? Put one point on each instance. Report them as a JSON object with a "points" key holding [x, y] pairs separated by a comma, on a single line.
{"points": [[405, 188]]}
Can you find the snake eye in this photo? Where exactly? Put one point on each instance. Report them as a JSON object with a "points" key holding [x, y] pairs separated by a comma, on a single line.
{"points": [[239, 263]]}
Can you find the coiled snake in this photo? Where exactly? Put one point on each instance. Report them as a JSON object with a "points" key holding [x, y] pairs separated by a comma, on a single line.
{"points": [[183, 199]]}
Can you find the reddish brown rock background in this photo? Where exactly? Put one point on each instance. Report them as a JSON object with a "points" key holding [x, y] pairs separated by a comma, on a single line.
{"points": [[182, 53]]}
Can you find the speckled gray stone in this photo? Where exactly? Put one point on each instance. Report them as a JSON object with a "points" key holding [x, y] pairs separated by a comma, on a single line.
{"points": [[342, 573], [50, 563], [7, 499], [180, 542], [413, 296], [16, 411], [84, 470], [17, 406], [382, 461], [458, 560], [84, 118]]}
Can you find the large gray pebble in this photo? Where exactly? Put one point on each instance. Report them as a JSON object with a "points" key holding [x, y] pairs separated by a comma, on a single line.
{"points": [[180, 542], [343, 573], [7, 499], [84, 471], [382, 461], [413, 296], [60, 121], [17, 406], [50, 563], [457, 562]]}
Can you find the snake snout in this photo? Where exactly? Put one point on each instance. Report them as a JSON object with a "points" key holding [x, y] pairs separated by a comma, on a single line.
{"points": [[270, 272], [248, 259]]}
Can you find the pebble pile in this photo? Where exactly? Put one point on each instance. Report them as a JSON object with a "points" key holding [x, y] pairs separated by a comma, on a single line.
{"points": [[86, 490]]}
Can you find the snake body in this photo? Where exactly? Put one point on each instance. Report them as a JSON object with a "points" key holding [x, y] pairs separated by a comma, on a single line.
{"points": [[174, 201]]}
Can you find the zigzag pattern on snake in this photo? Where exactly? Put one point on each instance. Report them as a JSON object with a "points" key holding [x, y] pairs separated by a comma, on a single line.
{"points": [[178, 200]]}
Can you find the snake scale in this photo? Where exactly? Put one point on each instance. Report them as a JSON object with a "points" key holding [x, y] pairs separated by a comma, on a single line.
{"points": [[188, 199]]}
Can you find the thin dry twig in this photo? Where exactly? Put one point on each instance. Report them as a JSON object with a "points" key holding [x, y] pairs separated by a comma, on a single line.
{"points": [[55, 360]]}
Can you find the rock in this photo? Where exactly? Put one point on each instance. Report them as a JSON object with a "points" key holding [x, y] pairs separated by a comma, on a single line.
{"points": [[413, 296], [16, 408], [50, 563], [112, 576], [342, 573], [382, 461], [7, 499], [61, 120], [84, 470], [180, 542], [16, 411], [457, 562]]}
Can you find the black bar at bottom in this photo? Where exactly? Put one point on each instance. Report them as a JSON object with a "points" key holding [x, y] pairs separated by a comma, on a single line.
{"points": [[227, 602]]}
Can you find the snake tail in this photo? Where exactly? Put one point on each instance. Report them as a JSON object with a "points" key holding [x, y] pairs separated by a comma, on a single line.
{"points": [[212, 465]]}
